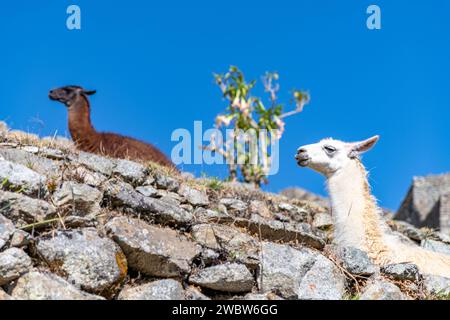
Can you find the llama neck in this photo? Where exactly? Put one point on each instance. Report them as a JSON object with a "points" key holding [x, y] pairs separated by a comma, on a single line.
{"points": [[80, 125], [355, 213]]}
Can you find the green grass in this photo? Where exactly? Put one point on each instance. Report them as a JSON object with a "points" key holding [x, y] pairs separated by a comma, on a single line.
{"points": [[215, 184], [439, 296], [5, 182], [6, 185], [351, 296]]}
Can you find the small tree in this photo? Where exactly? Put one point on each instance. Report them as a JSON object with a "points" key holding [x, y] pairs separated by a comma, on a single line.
{"points": [[247, 113]]}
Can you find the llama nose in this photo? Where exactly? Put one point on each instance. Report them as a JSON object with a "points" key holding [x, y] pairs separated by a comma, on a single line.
{"points": [[301, 154]]}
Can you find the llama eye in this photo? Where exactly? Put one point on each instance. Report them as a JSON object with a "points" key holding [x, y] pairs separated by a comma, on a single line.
{"points": [[330, 149]]}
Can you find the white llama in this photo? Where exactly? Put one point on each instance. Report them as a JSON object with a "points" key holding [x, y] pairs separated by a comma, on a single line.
{"points": [[357, 219]]}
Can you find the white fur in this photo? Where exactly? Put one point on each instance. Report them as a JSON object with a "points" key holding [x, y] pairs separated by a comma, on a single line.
{"points": [[343, 186], [357, 219]]}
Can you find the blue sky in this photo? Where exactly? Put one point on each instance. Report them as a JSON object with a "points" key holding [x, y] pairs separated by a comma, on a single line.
{"points": [[152, 66]]}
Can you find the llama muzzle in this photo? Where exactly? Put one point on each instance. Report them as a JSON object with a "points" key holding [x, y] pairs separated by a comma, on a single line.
{"points": [[302, 157]]}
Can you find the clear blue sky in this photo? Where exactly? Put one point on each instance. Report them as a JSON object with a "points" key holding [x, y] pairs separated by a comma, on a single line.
{"points": [[152, 66]]}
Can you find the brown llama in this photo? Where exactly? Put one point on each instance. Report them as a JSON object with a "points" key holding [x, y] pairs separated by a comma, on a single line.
{"points": [[87, 139]]}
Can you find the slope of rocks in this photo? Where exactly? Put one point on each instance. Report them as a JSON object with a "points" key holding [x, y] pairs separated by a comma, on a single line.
{"points": [[79, 226]]}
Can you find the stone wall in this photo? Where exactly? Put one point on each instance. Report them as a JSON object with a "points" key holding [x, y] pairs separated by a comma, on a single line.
{"points": [[426, 204], [79, 226]]}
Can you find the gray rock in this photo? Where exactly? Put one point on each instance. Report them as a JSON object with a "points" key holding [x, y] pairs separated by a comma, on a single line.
{"points": [[16, 176], [147, 191], [234, 205], [83, 199], [378, 289], [407, 230], [169, 194], [149, 180], [192, 293], [20, 239], [436, 284], [25, 210], [260, 208], [43, 166], [4, 296], [154, 251], [222, 209], [130, 171], [209, 256], [435, 246], [301, 194], [323, 281], [87, 176], [51, 153], [96, 163], [440, 236], [123, 195], [158, 290], [261, 297], [401, 271], [238, 245], [426, 202], [13, 263], [6, 230], [294, 212], [194, 196], [208, 235], [167, 213], [281, 217], [170, 199], [239, 186], [444, 213], [299, 273], [8, 145], [404, 239], [75, 222], [47, 286], [229, 277], [273, 230], [187, 207], [356, 261], [322, 221], [85, 259], [30, 149], [283, 267], [202, 215], [166, 182]]}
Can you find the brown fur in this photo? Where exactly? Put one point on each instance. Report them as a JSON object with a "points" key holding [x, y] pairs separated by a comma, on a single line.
{"points": [[382, 253], [87, 139], [376, 248]]}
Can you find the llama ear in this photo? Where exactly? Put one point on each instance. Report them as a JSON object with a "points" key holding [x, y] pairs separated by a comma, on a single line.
{"points": [[362, 146], [89, 92]]}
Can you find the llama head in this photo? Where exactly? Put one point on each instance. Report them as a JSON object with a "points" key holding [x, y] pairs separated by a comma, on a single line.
{"points": [[68, 94], [329, 156]]}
